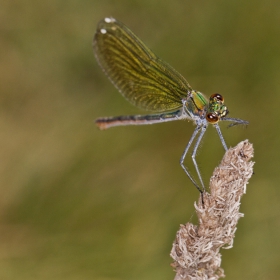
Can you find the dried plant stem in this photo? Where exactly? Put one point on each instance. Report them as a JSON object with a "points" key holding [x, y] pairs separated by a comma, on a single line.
{"points": [[196, 249]]}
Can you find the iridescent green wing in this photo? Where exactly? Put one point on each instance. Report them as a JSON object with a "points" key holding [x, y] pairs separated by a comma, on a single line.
{"points": [[143, 78]]}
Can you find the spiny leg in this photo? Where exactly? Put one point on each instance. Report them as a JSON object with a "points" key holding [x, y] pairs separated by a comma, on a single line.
{"points": [[221, 136], [203, 129], [184, 155], [235, 121]]}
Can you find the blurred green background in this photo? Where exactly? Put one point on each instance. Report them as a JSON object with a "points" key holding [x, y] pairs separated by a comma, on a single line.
{"points": [[79, 203]]}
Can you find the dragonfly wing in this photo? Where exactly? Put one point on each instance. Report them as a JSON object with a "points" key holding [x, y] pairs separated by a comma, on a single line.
{"points": [[144, 79]]}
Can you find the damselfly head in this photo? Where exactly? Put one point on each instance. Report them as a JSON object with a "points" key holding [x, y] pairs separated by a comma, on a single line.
{"points": [[216, 108]]}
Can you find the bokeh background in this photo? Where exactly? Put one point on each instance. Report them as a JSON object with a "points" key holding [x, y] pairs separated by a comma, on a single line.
{"points": [[79, 203]]}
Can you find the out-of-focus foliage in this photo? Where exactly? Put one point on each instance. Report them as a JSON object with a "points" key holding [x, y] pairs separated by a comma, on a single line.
{"points": [[79, 203]]}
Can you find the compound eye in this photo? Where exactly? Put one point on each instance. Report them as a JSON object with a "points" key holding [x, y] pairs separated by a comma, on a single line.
{"points": [[212, 118], [217, 96]]}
